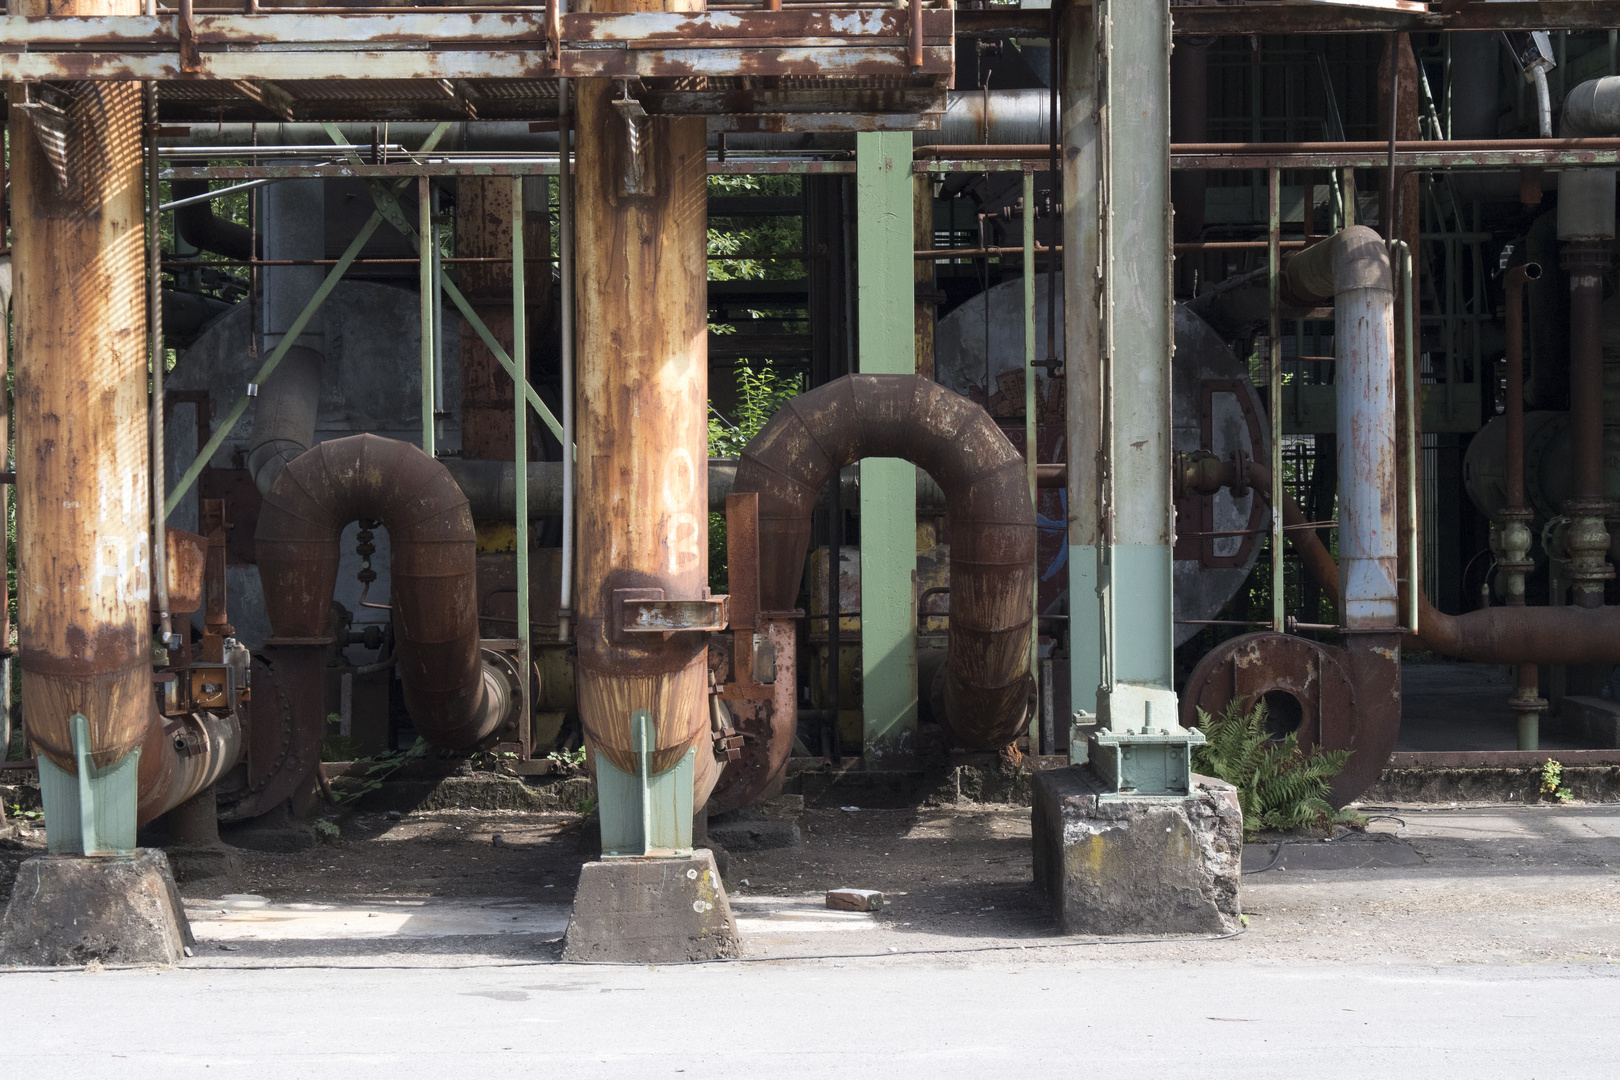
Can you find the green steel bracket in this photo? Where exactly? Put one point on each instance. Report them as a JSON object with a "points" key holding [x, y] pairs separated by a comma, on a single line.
{"points": [[387, 203], [93, 812], [1140, 747], [645, 815], [271, 362]]}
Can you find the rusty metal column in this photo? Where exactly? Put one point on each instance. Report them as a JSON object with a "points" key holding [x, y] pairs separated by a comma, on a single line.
{"points": [[641, 398], [81, 390]]}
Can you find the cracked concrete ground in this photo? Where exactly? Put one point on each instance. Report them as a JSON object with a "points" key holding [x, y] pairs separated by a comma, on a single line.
{"points": [[1446, 942]]}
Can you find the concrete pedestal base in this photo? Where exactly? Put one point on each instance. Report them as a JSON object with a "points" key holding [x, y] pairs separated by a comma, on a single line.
{"points": [[203, 862], [649, 911], [115, 909], [1137, 865]]}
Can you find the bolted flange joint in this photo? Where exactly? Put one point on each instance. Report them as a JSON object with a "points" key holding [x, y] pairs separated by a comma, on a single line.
{"points": [[1586, 539], [1510, 540]]}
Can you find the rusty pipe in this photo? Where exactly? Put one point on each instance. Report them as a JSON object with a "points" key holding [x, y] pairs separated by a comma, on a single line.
{"points": [[640, 392], [1514, 414], [183, 756], [455, 699], [992, 524], [1499, 635], [83, 512]]}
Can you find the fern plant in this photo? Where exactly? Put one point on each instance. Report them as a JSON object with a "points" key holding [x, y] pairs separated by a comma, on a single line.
{"points": [[1279, 786]]}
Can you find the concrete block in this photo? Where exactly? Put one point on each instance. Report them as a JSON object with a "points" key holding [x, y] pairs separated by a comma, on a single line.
{"points": [[1593, 719], [651, 911], [203, 862], [751, 830], [114, 909], [1137, 865], [854, 900]]}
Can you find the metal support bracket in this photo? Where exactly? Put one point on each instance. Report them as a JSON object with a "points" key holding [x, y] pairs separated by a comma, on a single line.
{"points": [[1140, 747], [645, 611], [645, 815], [93, 812]]}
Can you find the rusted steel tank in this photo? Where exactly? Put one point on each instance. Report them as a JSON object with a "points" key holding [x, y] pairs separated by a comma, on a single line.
{"points": [[454, 697], [992, 523], [642, 402], [83, 506]]}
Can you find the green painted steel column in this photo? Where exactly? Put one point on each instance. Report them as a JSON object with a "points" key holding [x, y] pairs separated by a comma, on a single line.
{"points": [[1140, 747], [424, 260], [887, 344], [1081, 327]]}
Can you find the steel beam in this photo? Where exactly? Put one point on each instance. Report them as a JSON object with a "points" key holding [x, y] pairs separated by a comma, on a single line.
{"points": [[287, 47], [888, 485], [1140, 747], [1081, 343]]}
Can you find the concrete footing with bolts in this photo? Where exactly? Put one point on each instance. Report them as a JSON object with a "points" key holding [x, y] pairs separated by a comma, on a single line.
{"points": [[1111, 864]]}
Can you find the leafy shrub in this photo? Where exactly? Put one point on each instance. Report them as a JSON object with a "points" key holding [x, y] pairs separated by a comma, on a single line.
{"points": [[1278, 786]]}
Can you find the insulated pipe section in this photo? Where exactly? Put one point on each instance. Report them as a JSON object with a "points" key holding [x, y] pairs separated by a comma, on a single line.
{"points": [[1353, 270], [83, 504], [453, 697], [284, 416], [182, 758], [987, 682], [285, 413], [1586, 196]]}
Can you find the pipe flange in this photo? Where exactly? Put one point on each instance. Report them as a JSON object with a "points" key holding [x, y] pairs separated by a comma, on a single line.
{"points": [[1586, 538], [1528, 705], [1589, 256]]}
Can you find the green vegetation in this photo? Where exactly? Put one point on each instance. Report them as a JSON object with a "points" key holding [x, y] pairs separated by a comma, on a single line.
{"points": [[1552, 781], [568, 760], [1279, 787], [382, 767], [336, 747], [759, 395]]}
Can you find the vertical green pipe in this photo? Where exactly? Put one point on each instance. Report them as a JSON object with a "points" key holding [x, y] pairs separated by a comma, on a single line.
{"points": [[1274, 345], [1029, 421], [520, 442], [424, 258]]}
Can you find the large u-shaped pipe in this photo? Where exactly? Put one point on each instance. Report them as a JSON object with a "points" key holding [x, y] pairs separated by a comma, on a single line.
{"points": [[454, 698], [992, 523]]}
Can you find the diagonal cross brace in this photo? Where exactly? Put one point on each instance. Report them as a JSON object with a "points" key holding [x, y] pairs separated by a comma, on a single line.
{"points": [[352, 252], [386, 199]]}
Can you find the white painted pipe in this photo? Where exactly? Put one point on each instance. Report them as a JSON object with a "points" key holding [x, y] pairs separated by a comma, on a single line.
{"points": [[1354, 269]]}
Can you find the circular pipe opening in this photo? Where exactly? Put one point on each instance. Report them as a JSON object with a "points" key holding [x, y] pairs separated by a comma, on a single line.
{"points": [[1284, 713]]}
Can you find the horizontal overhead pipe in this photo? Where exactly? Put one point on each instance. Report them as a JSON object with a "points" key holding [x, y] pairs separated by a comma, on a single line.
{"points": [[987, 680], [455, 699]]}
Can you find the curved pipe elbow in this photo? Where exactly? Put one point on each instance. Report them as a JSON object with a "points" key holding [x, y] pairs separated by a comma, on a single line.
{"points": [[991, 514], [1351, 259], [447, 685]]}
